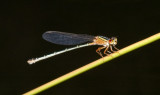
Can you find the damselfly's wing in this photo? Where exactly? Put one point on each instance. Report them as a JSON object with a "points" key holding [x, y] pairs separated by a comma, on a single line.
{"points": [[64, 38]]}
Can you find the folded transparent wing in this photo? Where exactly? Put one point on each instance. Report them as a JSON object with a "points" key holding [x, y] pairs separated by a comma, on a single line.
{"points": [[64, 38]]}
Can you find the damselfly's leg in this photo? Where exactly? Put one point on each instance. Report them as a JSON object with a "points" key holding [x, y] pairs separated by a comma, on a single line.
{"points": [[115, 48], [112, 49], [99, 51], [106, 50], [109, 52]]}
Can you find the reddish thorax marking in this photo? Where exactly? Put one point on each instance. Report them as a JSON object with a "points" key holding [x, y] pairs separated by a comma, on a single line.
{"points": [[110, 41]]}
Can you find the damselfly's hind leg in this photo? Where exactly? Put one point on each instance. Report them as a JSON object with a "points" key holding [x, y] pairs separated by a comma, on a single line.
{"points": [[99, 51]]}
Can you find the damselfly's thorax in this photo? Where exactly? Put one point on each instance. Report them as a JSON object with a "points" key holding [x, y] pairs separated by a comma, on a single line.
{"points": [[105, 41]]}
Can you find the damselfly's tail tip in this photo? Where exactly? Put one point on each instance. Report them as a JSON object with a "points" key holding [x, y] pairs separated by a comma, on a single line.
{"points": [[31, 61]]}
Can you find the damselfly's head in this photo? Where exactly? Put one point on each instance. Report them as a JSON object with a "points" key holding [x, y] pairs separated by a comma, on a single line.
{"points": [[113, 41]]}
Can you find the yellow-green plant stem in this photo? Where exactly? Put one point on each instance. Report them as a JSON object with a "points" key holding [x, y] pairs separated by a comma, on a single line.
{"points": [[94, 64]]}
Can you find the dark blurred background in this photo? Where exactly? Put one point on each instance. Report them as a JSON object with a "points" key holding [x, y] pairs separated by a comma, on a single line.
{"points": [[23, 23]]}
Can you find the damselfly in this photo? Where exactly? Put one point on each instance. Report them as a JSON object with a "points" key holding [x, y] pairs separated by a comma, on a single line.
{"points": [[63, 38]]}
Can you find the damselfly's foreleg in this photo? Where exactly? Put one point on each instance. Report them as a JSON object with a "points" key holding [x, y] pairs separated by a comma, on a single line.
{"points": [[113, 50], [116, 48]]}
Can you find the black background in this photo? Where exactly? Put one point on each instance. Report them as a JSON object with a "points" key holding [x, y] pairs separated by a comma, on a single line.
{"points": [[22, 24]]}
